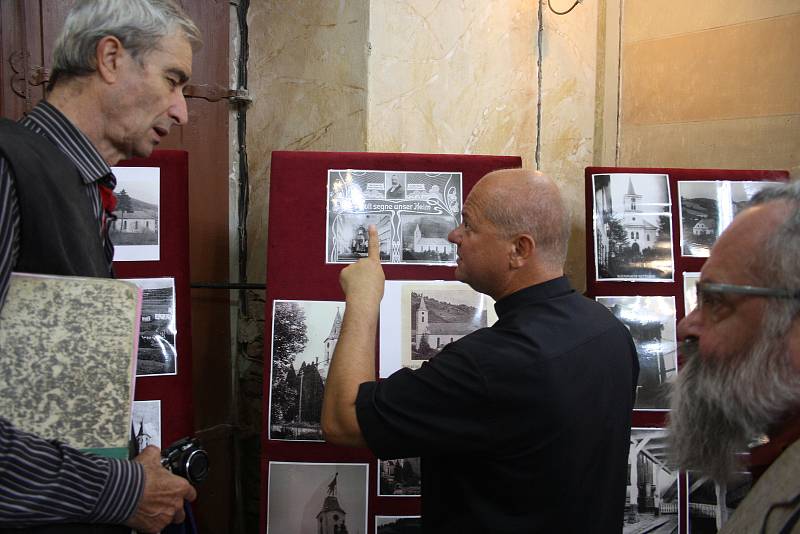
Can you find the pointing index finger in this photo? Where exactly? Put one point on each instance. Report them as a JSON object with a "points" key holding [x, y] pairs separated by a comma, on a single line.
{"points": [[374, 243]]}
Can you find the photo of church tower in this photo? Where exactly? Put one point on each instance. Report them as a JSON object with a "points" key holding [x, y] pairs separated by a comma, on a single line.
{"points": [[632, 227], [305, 334], [438, 314], [317, 498]]}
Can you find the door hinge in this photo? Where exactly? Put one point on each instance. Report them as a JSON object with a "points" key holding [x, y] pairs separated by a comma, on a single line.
{"points": [[214, 93]]}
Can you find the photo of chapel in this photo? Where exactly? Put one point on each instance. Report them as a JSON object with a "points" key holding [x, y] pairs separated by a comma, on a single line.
{"points": [[632, 227]]}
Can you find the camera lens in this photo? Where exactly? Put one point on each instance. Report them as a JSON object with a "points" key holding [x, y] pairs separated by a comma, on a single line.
{"points": [[196, 466]]}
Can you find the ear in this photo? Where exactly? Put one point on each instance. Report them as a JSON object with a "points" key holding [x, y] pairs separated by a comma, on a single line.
{"points": [[522, 248], [108, 58]]}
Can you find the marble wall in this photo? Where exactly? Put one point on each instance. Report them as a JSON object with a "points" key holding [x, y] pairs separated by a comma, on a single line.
{"points": [[455, 76], [308, 81]]}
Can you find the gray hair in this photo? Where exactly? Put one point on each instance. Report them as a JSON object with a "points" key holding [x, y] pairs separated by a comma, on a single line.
{"points": [[781, 251], [138, 24], [532, 204]]}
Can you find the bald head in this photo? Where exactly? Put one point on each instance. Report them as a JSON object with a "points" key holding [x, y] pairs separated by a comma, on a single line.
{"points": [[521, 201]]}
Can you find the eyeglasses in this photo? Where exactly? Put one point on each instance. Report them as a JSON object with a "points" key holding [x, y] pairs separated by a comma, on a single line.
{"points": [[709, 299]]}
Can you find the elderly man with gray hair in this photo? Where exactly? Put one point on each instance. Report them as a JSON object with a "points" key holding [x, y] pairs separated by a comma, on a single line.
{"points": [[119, 68], [739, 386]]}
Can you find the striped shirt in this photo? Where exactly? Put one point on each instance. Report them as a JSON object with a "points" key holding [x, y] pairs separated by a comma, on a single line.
{"points": [[44, 481]]}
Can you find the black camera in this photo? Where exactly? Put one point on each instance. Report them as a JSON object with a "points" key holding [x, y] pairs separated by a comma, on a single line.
{"points": [[186, 458]]}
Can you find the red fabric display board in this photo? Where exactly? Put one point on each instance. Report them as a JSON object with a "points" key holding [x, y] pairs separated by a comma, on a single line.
{"points": [[296, 270], [623, 210], [174, 391]]}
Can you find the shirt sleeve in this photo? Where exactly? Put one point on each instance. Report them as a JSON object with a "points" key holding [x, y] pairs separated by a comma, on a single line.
{"points": [[48, 482], [441, 407], [9, 228], [45, 481]]}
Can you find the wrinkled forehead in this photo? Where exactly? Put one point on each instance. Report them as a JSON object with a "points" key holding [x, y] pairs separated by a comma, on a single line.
{"points": [[737, 255]]}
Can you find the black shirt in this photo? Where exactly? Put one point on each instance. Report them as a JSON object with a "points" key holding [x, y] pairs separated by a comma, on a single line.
{"points": [[522, 427]]}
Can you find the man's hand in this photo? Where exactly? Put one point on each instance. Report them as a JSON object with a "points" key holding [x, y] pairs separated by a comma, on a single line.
{"points": [[363, 280], [353, 360], [164, 493]]}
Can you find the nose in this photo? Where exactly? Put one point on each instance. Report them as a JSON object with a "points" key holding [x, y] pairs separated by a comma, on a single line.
{"points": [[178, 111], [454, 236], [689, 326]]}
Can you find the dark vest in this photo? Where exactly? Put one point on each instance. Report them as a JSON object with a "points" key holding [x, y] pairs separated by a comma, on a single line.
{"points": [[58, 232]]}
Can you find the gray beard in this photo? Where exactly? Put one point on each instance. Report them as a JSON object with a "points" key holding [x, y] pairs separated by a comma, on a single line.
{"points": [[719, 405]]}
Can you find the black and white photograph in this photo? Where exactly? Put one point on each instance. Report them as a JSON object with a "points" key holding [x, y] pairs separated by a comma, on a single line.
{"points": [[419, 317], [396, 185], [425, 239], [401, 477], [413, 211], [690, 292], [708, 207], [704, 205], [304, 336], [158, 354], [146, 424], [652, 503], [352, 241], [398, 524], [321, 498], [710, 504], [434, 315], [743, 192], [135, 232], [651, 322], [633, 227]]}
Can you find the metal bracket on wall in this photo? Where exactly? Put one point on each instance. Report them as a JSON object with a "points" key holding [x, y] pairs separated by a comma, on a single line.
{"points": [[226, 285], [214, 93], [25, 75]]}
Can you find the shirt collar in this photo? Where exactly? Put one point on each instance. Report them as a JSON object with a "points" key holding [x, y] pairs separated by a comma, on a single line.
{"points": [[46, 119], [539, 292]]}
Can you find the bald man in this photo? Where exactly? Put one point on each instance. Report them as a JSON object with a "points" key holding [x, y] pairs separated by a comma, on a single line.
{"points": [[523, 426]]}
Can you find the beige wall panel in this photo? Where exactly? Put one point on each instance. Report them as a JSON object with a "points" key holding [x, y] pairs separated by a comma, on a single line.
{"points": [[569, 67], [307, 77], [748, 70], [763, 143], [453, 76], [654, 19]]}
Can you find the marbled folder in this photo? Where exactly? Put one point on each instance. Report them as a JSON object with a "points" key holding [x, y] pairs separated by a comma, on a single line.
{"points": [[68, 359]]}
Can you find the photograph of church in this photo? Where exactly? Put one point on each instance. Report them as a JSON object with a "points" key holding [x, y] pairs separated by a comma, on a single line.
{"points": [[319, 498], [304, 336], [425, 238], [633, 227], [438, 315], [653, 493], [136, 230], [702, 204], [651, 322], [146, 424]]}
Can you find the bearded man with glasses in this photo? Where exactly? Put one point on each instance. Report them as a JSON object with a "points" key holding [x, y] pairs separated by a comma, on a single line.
{"points": [[739, 385]]}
